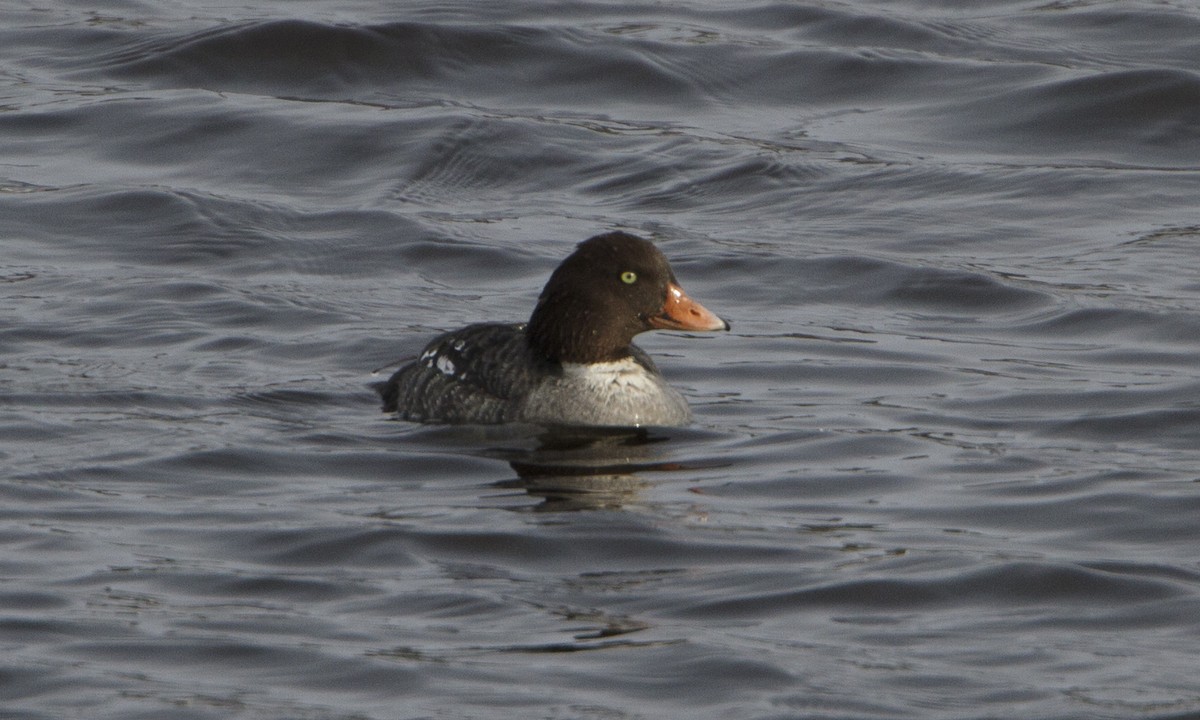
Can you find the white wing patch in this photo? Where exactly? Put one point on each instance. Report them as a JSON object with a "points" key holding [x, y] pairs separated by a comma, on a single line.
{"points": [[441, 362]]}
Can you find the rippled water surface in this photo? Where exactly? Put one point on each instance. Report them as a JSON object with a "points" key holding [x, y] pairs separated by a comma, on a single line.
{"points": [[947, 465]]}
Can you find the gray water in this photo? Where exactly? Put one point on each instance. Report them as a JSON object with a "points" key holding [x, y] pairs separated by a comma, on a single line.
{"points": [[945, 466]]}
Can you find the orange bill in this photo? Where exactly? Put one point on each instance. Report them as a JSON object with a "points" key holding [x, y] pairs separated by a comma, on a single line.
{"points": [[680, 312]]}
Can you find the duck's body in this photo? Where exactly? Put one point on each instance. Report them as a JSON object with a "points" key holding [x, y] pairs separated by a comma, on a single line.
{"points": [[488, 373], [574, 362]]}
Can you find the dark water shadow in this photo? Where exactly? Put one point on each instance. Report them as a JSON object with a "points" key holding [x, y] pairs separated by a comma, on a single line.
{"points": [[572, 469]]}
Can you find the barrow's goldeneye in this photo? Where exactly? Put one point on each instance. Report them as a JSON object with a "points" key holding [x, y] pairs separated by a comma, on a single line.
{"points": [[574, 362]]}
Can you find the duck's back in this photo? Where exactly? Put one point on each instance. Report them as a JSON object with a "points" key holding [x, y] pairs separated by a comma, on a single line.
{"points": [[474, 375]]}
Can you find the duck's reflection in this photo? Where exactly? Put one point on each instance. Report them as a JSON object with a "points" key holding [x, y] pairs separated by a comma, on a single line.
{"points": [[587, 469]]}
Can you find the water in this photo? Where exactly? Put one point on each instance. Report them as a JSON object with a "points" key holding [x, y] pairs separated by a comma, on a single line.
{"points": [[945, 466]]}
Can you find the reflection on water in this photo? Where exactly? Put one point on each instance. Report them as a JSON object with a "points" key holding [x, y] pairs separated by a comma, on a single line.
{"points": [[589, 468], [588, 490]]}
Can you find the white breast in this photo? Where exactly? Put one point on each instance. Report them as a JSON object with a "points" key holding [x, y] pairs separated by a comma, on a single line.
{"points": [[621, 392]]}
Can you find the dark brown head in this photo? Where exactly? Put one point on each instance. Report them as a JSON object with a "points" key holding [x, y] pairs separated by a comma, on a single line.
{"points": [[611, 288]]}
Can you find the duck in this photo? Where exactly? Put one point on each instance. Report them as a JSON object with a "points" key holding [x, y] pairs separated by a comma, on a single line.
{"points": [[574, 362]]}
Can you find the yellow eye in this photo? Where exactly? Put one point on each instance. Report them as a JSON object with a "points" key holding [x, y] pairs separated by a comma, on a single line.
{"points": [[629, 277]]}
